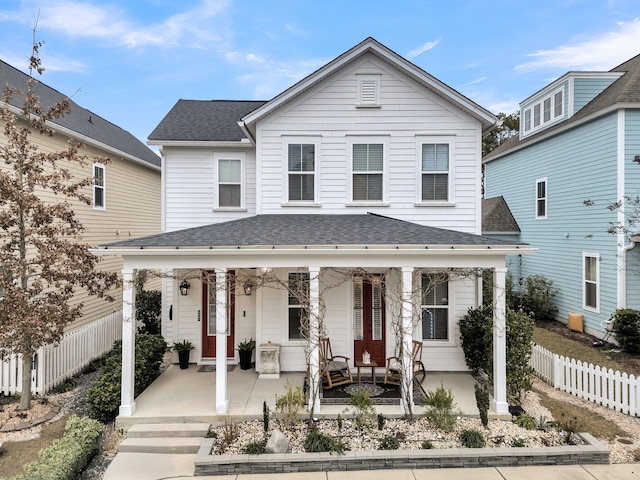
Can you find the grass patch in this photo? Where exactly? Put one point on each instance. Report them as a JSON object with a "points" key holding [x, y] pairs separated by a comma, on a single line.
{"points": [[561, 345], [588, 421]]}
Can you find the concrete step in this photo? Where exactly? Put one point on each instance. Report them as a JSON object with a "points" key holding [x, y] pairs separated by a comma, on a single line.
{"points": [[168, 430], [181, 445]]}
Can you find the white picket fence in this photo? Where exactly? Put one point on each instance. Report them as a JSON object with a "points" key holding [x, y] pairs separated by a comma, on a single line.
{"points": [[55, 363], [615, 390]]}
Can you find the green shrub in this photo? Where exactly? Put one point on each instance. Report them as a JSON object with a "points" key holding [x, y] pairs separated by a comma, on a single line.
{"points": [[538, 297], [477, 339], [442, 414], [482, 402], [427, 445], [512, 297], [381, 421], [149, 311], [104, 394], [265, 416], [518, 442], [519, 346], [389, 442], [526, 421], [626, 327], [290, 404], [67, 456], [255, 448], [316, 441], [471, 438], [364, 412]]}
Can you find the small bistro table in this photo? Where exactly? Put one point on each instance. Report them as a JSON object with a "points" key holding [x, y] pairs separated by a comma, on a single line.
{"points": [[372, 364]]}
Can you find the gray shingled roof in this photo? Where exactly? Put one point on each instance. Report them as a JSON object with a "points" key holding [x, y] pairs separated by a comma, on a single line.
{"points": [[497, 217], [311, 230], [80, 120], [625, 89], [204, 120]]}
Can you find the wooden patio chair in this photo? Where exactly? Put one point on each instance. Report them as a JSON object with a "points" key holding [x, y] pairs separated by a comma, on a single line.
{"points": [[334, 369], [393, 374]]}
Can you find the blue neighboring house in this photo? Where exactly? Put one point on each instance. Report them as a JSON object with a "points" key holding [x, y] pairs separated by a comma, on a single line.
{"points": [[578, 151]]}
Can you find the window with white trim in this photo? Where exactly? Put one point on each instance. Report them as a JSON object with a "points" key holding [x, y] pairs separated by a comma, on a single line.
{"points": [[548, 109], [229, 182], [301, 165], [368, 172], [541, 198], [99, 186], [435, 172], [591, 276], [435, 307], [298, 288]]}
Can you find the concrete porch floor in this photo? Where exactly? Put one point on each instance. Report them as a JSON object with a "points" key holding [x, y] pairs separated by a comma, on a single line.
{"points": [[184, 396]]}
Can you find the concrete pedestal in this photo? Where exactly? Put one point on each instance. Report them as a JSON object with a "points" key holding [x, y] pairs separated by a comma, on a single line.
{"points": [[269, 360]]}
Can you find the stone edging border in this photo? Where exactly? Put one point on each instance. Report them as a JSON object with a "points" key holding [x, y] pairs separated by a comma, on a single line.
{"points": [[593, 452], [14, 426]]}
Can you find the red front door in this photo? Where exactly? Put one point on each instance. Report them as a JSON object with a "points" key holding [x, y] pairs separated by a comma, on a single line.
{"points": [[369, 318], [209, 298]]}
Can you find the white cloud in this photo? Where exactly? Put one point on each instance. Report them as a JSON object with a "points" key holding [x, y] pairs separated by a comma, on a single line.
{"points": [[420, 50], [473, 82], [602, 52]]}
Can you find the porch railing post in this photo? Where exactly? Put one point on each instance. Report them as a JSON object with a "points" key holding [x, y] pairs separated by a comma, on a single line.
{"points": [[127, 403], [314, 338], [407, 339], [500, 404], [222, 403]]}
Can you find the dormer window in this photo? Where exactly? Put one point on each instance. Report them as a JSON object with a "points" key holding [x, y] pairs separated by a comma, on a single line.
{"points": [[368, 90], [548, 109]]}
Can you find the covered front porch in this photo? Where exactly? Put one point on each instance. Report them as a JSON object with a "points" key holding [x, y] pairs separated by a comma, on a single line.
{"points": [[185, 396]]}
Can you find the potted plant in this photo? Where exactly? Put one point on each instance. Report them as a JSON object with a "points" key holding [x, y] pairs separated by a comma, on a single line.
{"points": [[245, 350], [183, 348]]}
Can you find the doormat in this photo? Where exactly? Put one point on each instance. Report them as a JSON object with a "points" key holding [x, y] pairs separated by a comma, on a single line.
{"points": [[212, 368], [380, 394]]}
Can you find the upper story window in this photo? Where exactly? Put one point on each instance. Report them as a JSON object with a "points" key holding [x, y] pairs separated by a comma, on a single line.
{"points": [[368, 172], [99, 186], [368, 90], [435, 172], [541, 198], [298, 287], [548, 109], [229, 182], [591, 282], [301, 165], [435, 307]]}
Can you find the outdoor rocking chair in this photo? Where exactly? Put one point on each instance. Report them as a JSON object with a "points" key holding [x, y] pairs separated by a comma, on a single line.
{"points": [[393, 375], [334, 369]]}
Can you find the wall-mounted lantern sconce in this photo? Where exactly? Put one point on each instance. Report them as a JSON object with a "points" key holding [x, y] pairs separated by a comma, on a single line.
{"points": [[184, 288], [248, 288]]}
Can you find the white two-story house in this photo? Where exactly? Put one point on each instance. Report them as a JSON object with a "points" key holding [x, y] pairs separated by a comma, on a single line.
{"points": [[358, 185]]}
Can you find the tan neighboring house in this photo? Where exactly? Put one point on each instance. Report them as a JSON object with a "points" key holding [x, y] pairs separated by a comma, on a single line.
{"points": [[126, 202]]}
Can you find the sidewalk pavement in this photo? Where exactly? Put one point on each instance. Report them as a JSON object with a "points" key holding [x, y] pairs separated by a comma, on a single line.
{"points": [[154, 466]]}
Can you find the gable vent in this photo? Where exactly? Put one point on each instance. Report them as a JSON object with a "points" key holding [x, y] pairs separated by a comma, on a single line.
{"points": [[369, 90]]}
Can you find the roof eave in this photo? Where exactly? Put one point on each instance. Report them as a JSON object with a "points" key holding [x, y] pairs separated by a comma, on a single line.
{"points": [[244, 143]]}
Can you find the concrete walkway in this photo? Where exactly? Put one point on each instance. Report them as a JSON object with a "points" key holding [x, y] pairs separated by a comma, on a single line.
{"points": [[150, 466]]}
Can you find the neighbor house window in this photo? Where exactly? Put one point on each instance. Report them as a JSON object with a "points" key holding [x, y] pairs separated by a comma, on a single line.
{"points": [[301, 164], [98, 186], [368, 172], [548, 109], [229, 183], [435, 172], [298, 287], [591, 280], [435, 307], [541, 198]]}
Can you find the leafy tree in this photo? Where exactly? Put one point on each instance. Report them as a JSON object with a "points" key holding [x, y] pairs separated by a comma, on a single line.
{"points": [[43, 258], [508, 126]]}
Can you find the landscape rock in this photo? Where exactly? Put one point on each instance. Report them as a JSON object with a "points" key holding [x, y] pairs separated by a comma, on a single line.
{"points": [[278, 443]]}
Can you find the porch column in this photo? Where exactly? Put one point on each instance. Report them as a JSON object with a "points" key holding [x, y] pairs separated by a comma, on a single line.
{"points": [[500, 404], [127, 390], [406, 332], [314, 339], [222, 404]]}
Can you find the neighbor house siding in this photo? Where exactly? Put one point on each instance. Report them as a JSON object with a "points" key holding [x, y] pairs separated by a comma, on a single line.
{"points": [[632, 189], [579, 165], [586, 89]]}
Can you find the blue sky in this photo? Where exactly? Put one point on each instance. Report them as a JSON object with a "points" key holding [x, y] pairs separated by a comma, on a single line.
{"points": [[129, 61]]}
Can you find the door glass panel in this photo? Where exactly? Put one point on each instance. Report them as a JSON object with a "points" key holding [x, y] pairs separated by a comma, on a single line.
{"points": [[357, 308], [211, 302], [376, 312]]}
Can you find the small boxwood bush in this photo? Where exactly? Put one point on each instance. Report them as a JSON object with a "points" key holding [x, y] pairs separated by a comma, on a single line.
{"points": [[389, 442], [104, 394], [626, 327], [67, 456], [471, 438], [526, 421]]}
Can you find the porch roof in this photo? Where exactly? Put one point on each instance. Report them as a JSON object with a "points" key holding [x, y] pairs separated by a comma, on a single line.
{"points": [[312, 230]]}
